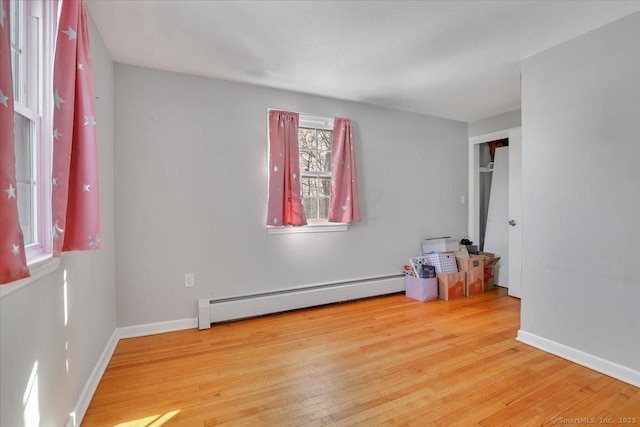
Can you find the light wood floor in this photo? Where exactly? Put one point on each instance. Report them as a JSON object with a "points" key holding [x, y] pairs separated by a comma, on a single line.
{"points": [[383, 361]]}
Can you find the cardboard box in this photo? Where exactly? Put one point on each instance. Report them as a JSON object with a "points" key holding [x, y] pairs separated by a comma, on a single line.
{"points": [[451, 285], [490, 260], [474, 267], [421, 289], [488, 278], [475, 283], [474, 263]]}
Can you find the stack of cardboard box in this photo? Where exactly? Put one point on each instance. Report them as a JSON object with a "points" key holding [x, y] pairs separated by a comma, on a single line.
{"points": [[474, 268], [459, 274]]}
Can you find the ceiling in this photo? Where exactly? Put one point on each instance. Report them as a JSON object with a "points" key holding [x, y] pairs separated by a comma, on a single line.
{"points": [[452, 59]]}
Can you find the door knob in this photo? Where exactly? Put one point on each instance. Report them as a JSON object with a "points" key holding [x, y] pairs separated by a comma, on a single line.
{"points": [[512, 223]]}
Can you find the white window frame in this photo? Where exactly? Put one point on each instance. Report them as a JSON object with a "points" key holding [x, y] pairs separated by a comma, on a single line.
{"points": [[37, 41], [313, 226], [315, 122]]}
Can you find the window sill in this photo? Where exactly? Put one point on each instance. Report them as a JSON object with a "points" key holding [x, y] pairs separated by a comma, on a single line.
{"points": [[38, 270], [309, 228]]}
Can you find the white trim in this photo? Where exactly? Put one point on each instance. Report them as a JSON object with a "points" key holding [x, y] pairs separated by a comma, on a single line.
{"points": [[309, 228], [157, 328], [590, 361], [38, 270], [80, 409], [493, 136]]}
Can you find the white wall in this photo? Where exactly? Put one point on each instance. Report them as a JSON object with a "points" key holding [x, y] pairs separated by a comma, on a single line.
{"points": [[581, 148], [504, 121], [191, 189], [32, 318]]}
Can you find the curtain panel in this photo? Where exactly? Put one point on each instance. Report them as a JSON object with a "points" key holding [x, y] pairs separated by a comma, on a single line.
{"points": [[75, 195], [13, 261], [285, 202], [343, 204]]}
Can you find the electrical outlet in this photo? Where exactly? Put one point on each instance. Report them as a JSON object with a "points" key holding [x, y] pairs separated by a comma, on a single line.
{"points": [[189, 280], [462, 200]]}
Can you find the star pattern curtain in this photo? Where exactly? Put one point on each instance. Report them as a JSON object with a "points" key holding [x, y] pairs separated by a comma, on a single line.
{"points": [[13, 262], [285, 202], [75, 195], [343, 204]]}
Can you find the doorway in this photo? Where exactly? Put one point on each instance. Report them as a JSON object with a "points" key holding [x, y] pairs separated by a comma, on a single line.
{"points": [[509, 225]]}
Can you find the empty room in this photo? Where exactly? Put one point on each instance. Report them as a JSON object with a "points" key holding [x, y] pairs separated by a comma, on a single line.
{"points": [[301, 213]]}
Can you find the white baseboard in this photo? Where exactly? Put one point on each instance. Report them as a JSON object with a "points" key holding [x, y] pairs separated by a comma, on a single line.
{"points": [[157, 328], [80, 409], [75, 418], [590, 361]]}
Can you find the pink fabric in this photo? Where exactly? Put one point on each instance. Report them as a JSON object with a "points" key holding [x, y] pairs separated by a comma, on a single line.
{"points": [[343, 206], [76, 192], [285, 203], [13, 260]]}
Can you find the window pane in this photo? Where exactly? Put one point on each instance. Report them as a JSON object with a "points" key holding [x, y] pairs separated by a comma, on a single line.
{"points": [[311, 162], [31, 59], [308, 187], [15, 74], [311, 208], [324, 140], [324, 189], [16, 47], [305, 160], [306, 138], [324, 162], [315, 149], [16, 26], [25, 212], [23, 131], [324, 208], [24, 148]]}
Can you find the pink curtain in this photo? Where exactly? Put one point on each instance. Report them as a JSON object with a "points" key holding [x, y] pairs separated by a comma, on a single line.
{"points": [[76, 201], [343, 206], [13, 261], [285, 203]]}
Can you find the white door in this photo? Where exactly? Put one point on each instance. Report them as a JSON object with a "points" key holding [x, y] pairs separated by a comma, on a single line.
{"points": [[515, 213], [496, 239]]}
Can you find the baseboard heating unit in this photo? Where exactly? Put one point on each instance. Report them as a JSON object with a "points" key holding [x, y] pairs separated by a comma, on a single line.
{"points": [[225, 309]]}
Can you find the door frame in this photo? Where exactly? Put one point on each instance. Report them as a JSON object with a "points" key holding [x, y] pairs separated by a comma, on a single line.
{"points": [[473, 228]]}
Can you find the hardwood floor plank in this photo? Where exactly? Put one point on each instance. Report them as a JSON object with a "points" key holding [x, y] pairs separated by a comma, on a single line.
{"points": [[381, 361]]}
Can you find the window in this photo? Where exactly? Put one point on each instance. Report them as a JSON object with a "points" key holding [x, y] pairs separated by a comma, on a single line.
{"points": [[32, 25], [315, 137], [315, 150]]}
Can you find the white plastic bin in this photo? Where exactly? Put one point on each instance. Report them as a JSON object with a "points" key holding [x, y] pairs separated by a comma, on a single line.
{"points": [[440, 244]]}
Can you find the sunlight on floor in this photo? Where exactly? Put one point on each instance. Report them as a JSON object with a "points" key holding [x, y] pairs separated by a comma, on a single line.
{"points": [[152, 421]]}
